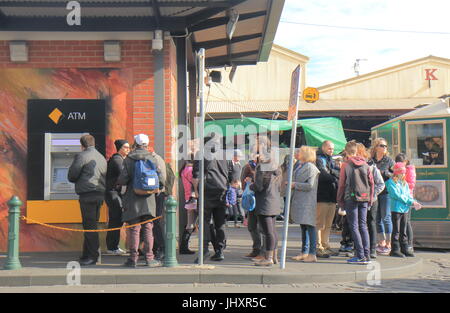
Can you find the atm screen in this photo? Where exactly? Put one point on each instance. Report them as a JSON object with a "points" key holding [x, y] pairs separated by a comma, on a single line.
{"points": [[65, 142], [60, 175]]}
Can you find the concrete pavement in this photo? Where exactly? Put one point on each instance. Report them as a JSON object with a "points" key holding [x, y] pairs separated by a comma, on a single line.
{"points": [[48, 269]]}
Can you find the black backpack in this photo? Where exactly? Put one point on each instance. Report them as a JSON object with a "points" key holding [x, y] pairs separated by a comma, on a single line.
{"points": [[359, 183]]}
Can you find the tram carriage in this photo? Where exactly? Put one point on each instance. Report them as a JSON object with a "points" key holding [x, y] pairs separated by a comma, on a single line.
{"points": [[423, 135]]}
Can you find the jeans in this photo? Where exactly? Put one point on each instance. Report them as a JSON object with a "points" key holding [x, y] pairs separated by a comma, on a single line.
{"points": [[357, 219], [384, 219], [309, 239], [346, 233], [134, 235], [372, 225]]}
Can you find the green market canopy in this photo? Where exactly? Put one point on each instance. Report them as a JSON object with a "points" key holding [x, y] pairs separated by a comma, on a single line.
{"points": [[316, 130]]}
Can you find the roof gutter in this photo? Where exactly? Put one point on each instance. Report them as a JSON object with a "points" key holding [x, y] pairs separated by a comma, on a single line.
{"points": [[272, 21]]}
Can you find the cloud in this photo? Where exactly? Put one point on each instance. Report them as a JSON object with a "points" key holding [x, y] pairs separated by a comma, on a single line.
{"points": [[333, 51]]}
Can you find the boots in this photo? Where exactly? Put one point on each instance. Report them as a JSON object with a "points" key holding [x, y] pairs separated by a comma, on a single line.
{"points": [[218, 256], [268, 259], [407, 250], [395, 251], [254, 253], [184, 244]]}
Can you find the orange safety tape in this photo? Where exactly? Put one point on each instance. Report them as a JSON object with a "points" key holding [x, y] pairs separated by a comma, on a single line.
{"points": [[88, 230]]}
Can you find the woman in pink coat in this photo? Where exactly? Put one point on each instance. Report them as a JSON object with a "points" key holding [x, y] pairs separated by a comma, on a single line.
{"points": [[410, 178], [190, 206]]}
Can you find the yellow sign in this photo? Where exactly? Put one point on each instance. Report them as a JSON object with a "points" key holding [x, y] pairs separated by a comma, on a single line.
{"points": [[311, 95], [55, 116]]}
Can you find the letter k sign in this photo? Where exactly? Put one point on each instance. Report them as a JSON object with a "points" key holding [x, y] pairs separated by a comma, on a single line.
{"points": [[430, 73]]}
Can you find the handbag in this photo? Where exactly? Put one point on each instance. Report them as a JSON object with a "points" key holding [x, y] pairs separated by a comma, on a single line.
{"points": [[248, 201]]}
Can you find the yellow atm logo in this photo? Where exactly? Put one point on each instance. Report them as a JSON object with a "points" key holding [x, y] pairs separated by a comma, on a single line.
{"points": [[56, 116]]}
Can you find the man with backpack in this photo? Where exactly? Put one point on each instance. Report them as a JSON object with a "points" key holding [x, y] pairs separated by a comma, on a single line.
{"points": [[355, 194], [216, 178], [143, 177]]}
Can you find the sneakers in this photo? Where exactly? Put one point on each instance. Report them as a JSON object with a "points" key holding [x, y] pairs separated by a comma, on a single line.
{"points": [[322, 254], [118, 251], [130, 263], [383, 250], [331, 252], [153, 263], [359, 261]]}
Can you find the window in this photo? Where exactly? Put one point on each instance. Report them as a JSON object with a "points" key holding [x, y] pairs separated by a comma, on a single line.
{"points": [[425, 143], [395, 140]]}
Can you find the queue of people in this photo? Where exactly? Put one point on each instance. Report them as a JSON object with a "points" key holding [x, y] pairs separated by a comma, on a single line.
{"points": [[372, 193]]}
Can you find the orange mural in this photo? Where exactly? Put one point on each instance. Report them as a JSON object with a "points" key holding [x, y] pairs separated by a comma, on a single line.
{"points": [[17, 86]]}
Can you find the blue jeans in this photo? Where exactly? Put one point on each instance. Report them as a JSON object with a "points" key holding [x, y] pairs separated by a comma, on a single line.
{"points": [[309, 239], [357, 220], [384, 219]]}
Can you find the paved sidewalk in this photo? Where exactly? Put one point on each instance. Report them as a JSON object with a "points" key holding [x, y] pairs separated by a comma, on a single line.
{"points": [[47, 269]]}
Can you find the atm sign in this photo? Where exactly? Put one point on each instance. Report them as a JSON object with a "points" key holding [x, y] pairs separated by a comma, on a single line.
{"points": [[56, 116]]}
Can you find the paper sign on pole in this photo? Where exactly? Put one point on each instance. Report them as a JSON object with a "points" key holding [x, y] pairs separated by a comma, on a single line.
{"points": [[295, 89]]}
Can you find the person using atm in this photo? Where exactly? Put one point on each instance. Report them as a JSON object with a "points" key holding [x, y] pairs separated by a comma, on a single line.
{"points": [[113, 196], [88, 173]]}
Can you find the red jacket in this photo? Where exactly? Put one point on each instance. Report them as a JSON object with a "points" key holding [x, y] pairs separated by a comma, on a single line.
{"points": [[343, 192]]}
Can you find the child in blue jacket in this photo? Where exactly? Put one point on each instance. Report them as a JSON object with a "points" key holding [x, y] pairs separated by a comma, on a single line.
{"points": [[401, 201], [232, 201]]}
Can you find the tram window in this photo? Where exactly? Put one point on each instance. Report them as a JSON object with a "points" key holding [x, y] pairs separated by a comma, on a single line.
{"points": [[426, 143]]}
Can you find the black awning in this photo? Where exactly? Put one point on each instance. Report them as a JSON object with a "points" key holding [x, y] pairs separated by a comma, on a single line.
{"points": [[205, 21]]}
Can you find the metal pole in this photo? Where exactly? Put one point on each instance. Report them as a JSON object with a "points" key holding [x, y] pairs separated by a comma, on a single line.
{"points": [[170, 259], [13, 262], [287, 204], [201, 132]]}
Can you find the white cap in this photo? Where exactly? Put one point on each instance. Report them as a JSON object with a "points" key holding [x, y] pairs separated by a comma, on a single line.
{"points": [[141, 139]]}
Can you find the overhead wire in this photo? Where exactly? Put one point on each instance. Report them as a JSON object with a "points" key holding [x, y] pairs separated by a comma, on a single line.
{"points": [[366, 28]]}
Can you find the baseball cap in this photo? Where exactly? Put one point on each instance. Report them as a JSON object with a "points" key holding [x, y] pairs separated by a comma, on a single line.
{"points": [[141, 139]]}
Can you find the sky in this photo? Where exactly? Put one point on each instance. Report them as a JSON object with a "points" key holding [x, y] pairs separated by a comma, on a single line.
{"points": [[420, 28]]}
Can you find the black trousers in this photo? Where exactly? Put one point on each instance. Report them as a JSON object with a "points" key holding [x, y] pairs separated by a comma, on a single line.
{"points": [[399, 229], [372, 225], [90, 213], [217, 234], [158, 225], [409, 229], [269, 231], [346, 233], [114, 203]]}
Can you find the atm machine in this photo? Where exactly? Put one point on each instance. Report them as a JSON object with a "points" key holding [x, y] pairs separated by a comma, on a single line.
{"points": [[54, 130], [59, 152]]}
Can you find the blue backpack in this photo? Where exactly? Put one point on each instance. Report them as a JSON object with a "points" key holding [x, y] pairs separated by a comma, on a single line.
{"points": [[146, 180], [248, 201]]}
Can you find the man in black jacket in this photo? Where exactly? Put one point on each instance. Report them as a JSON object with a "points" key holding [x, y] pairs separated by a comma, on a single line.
{"points": [[113, 196], [88, 172], [216, 178], [326, 198]]}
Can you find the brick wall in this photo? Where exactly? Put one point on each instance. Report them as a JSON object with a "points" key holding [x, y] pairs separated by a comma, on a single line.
{"points": [[136, 55]]}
